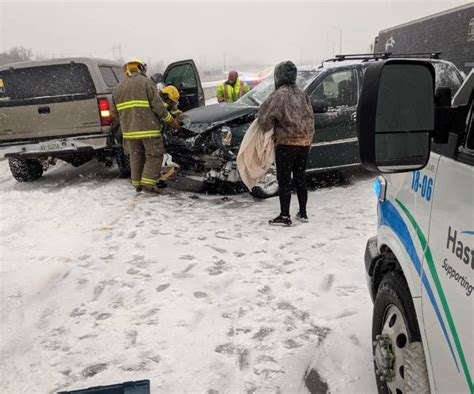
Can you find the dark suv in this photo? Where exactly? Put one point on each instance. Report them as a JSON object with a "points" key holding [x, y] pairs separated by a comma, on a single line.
{"points": [[206, 146]]}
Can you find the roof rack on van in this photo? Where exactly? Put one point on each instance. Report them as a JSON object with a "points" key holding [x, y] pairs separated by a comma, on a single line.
{"points": [[382, 56]]}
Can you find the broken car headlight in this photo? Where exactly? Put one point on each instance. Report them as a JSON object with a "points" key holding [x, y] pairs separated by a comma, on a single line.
{"points": [[226, 135]]}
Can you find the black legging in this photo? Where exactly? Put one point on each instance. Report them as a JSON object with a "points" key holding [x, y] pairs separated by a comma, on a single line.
{"points": [[291, 158]]}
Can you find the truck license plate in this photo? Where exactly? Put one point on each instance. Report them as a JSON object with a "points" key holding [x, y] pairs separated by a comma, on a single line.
{"points": [[54, 145]]}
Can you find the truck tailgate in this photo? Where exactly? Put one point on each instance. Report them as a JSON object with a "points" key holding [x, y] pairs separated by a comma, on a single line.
{"points": [[49, 119]]}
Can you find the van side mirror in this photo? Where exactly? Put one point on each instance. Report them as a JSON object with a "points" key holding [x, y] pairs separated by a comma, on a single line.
{"points": [[395, 117], [319, 106], [157, 78]]}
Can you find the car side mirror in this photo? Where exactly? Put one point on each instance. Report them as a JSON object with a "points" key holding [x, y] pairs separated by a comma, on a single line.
{"points": [[395, 117], [157, 78], [319, 106]]}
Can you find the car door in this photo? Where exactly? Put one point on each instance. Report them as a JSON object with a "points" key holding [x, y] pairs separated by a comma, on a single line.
{"points": [[335, 140], [449, 265], [184, 75]]}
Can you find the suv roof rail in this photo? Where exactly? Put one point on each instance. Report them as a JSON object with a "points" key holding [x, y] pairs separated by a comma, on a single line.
{"points": [[381, 55]]}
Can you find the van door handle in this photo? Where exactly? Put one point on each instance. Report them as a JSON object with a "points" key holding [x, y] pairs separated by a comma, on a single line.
{"points": [[44, 110]]}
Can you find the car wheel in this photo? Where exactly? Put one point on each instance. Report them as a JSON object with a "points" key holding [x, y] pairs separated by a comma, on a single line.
{"points": [[25, 170], [123, 163], [268, 186], [399, 359]]}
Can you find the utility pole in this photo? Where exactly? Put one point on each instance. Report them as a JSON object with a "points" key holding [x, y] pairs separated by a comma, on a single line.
{"points": [[117, 52], [340, 38]]}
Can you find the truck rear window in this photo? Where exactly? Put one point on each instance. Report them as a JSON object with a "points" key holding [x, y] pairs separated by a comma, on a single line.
{"points": [[43, 82]]}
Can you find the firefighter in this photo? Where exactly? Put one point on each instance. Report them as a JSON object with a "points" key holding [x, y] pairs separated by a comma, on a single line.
{"points": [[232, 89], [170, 97], [141, 114]]}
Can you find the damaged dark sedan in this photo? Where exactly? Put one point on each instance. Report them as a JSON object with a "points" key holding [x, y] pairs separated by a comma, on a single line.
{"points": [[207, 144]]}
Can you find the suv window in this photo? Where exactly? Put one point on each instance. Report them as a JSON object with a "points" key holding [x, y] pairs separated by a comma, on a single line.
{"points": [[337, 89], [109, 76], [45, 81], [182, 76]]}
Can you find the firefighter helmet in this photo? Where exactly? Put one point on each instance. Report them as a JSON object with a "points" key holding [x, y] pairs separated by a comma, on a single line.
{"points": [[135, 64], [171, 93]]}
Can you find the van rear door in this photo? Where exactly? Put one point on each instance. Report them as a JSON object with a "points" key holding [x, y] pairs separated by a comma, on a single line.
{"points": [[46, 101]]}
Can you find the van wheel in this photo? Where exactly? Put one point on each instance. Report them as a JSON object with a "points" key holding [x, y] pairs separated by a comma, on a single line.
{"points": [[399, 359], [268, 186], [123, 163], [25, 170]]}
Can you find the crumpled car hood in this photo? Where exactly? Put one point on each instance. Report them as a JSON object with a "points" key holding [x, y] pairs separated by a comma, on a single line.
{"points": [[205, 118]]}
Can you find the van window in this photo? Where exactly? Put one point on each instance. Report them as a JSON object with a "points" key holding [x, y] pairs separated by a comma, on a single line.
{"points": [[45, 81], [109, 76]]}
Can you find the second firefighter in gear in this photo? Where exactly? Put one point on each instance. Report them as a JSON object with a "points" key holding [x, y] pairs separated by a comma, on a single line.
{"points": [[232, 89], [141, 113], [170, 97]]}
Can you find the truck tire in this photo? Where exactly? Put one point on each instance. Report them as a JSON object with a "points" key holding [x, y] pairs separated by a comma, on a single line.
{"points": [[123, 163], [399, 360], [25, 170]]}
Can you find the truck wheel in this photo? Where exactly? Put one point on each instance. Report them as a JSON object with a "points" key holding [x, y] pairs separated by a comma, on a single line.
{"points": [[268, 186], [399, 359], [25, 170], [123, 163]]}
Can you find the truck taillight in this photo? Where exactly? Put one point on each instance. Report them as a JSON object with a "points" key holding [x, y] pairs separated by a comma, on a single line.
{"points": [[105, 114]]}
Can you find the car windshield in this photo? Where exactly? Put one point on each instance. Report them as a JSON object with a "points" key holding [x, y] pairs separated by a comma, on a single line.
{"points": [[260, 93]]}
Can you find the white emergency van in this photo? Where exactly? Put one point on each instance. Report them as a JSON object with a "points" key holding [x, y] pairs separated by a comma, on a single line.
{"points": [[420, 264]]}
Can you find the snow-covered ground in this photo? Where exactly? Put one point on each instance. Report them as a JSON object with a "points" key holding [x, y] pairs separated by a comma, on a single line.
{"points": [[196, 293]]}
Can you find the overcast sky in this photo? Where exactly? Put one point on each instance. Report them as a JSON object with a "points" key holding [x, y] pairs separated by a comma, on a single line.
{"points": [[260, 32]]}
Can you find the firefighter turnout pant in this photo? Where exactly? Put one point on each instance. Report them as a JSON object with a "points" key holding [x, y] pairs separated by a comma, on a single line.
{"points": [[146, 159]]}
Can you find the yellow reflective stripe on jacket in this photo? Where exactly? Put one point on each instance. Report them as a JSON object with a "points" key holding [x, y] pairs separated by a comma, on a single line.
{"points": [[168, 118], [132, 104], [141, 134], [148, 181]]}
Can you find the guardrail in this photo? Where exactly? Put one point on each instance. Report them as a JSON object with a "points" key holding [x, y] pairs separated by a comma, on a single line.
{"points": [[210, 89]]}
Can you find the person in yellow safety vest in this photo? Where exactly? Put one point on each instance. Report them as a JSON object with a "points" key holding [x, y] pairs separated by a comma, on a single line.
{"points": [[141, 113], [232, 89], [170, 97]]}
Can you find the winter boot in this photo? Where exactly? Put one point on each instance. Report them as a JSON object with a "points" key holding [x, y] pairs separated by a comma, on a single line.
{"points": [[152, 190], [280, 220], [302, 217], [161, 184], [139, 189]]}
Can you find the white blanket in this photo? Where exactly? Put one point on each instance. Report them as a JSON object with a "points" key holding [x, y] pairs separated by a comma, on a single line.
{"points": [[256, 155]]}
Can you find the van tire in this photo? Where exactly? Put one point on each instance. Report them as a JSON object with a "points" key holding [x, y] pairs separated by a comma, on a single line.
{"points": [[393, 294], [25, 170], [123, 163], [416, 373]]}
